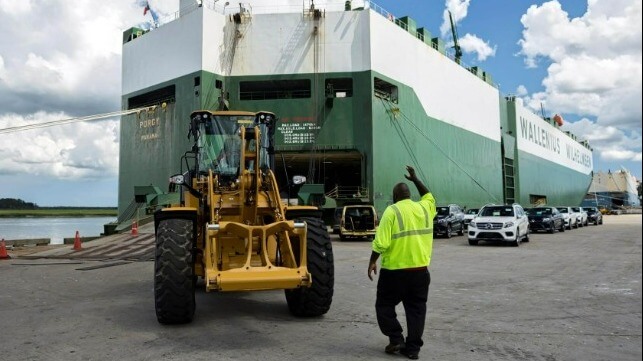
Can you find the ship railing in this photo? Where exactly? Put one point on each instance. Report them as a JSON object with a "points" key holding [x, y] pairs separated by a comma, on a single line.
{"points": [[348, 192], [226, 7], [214, 5]]}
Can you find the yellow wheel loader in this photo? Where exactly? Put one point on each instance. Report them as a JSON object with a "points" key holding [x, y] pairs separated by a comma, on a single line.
{"points": [[231, 228]]}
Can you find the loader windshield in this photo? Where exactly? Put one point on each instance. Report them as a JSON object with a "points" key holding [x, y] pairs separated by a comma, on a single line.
{"points": [[220, 143]]}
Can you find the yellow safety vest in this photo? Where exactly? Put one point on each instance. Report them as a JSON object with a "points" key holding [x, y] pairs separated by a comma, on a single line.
{"points": [[404, 237]]}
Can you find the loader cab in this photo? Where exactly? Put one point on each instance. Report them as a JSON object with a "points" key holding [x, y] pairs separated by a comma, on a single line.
{"points": [[219, 145]]}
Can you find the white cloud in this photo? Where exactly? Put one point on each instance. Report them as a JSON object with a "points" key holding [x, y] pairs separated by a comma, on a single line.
{"points": [[594, 69], [13, 7], [472, 44], [469, 43], [609, 142], [58, 60], [63, 56], [3, 71], [458, 9], [73, 151], [521, 90]]}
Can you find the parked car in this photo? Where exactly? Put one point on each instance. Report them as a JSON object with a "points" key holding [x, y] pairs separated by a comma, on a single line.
{"points": [[358, 221], [448, 219], [507, 223], [570, 217], [582, 216], [547, 219], [469, 214], [594, 215]]}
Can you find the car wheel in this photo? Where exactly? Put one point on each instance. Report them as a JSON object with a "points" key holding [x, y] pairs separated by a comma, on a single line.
{"points": [[526, 239], [562, 227], [461, 231], [601, 222], [516, 242], [448, 231], [552, 229]]}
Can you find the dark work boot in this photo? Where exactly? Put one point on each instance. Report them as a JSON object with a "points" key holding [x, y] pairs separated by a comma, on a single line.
{"points": [[412, 355], [393, 347]]}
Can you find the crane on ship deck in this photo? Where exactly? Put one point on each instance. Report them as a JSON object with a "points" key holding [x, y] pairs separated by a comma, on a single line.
{"points": [[456, 46]]}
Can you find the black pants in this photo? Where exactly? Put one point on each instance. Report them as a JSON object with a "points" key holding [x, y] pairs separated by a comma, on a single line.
{"points": [[412, 289]]}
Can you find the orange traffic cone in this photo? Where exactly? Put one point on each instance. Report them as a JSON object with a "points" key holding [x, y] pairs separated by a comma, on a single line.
{"points": [[3, 251], [77, 244], [134, 228]]}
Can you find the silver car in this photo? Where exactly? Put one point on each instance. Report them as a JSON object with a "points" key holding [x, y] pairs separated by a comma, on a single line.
{"points": [[570, 217], [582, 216]]}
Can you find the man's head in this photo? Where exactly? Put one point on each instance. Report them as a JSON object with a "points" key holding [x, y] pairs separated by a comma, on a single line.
{"points": [[400, 192]]}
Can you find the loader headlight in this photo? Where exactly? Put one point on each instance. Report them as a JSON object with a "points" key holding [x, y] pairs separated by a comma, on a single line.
{"points": [[177, 179], [298, 179]]}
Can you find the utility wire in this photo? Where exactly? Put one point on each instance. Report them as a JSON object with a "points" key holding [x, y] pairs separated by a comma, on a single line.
{"points": [[407, 144], [72, 120], [441, 150]]}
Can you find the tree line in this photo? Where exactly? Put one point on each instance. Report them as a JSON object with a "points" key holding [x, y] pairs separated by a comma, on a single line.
{"points": [[12, 203]]}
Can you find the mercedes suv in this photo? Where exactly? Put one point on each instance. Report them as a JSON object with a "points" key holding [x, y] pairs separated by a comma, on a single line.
{"points": [[506, 223], [448, 219], [569, 216], [547, 219], [594, 215], [582, 216]]}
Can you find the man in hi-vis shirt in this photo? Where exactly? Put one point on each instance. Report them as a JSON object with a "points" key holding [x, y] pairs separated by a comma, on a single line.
{"points": [[404, 240]]}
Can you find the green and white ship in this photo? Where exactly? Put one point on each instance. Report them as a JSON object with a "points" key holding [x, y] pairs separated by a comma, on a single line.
{"points": [[359, 94]]}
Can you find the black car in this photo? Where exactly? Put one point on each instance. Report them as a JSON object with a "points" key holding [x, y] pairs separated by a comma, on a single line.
{"points": [[545, 219], [449, 219], [594, 215]]}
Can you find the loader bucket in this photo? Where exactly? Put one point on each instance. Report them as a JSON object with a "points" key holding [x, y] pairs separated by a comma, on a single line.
{"points": [[237, 257]]}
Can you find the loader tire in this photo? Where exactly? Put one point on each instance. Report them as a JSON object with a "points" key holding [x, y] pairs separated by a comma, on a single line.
{"points": [[314, 300], [174, 272]]}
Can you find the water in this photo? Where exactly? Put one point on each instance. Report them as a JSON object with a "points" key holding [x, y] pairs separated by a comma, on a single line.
{"points": [[55, 228]]}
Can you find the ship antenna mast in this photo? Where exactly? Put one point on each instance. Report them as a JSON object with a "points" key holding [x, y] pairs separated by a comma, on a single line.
{"points": [[456, 46]]}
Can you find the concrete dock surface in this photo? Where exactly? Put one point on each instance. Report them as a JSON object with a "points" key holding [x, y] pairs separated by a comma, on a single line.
{"points": [[574, 295]]}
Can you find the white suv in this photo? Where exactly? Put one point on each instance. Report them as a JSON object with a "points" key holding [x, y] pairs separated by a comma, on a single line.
{"points": [[582, 216], [507, 223], [570, 217]]}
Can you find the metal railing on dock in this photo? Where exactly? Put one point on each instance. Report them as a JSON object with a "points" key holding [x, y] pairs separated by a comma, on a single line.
{"points": [[348, 192]]}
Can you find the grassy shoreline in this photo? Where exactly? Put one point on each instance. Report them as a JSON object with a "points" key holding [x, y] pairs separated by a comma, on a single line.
{"points": [[59, 212]]}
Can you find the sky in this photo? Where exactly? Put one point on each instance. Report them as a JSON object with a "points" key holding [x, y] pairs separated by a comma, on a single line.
{"points": [[61, 59]]}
